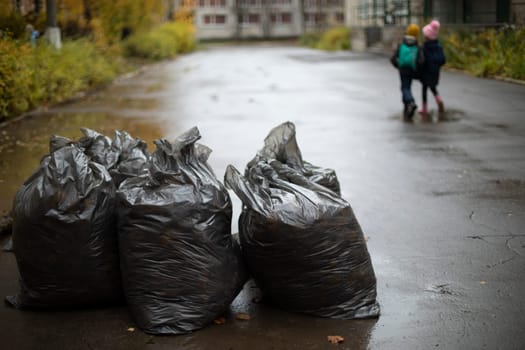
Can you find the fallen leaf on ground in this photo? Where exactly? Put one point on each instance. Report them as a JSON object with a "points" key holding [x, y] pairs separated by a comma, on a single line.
{"points": [[335, 339], [243, 317], [131, 329], [482, 282], [220, 320], [366, 238]]}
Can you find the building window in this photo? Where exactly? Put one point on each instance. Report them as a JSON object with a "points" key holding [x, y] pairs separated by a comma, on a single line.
{"points": [[280, 2], [376, 9], [284, 17], [262, 3], [214, 19], [212, 3], [339, 17], [249, 18], [320, 3], [315, 18]]}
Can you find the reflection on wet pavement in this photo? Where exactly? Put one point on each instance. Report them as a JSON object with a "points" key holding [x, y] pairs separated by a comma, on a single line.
{"points": [[442, 203], [23, 143]]}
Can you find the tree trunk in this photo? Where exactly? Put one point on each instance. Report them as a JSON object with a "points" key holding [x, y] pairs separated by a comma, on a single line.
{"points": [[51, 13], [52, 31], [87, 11]]}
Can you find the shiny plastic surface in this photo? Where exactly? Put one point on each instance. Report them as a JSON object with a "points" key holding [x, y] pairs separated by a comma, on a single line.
{"points": [[301, 241], [64, 234], [180, 266]]}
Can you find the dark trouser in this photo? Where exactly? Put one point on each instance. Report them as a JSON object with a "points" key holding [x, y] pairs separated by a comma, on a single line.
{"points": [[425, 89], [406, 86]]}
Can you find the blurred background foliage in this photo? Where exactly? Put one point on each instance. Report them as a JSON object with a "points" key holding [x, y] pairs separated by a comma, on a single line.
{"points": [[333, 39], [101, 39], [487, 53]]}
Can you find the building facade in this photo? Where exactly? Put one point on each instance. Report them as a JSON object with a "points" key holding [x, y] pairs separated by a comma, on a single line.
{"points": [[380, 23], [463, 12], [238, 19]]}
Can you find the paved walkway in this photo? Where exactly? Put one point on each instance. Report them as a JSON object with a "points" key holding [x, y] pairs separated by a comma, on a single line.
{"points": [[443, 204]]}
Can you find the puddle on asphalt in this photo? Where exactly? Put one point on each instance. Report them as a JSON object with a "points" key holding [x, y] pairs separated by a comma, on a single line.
{"points": [[328, 57], [23, 143], [271, 328], [496, 125], [450, 115]]}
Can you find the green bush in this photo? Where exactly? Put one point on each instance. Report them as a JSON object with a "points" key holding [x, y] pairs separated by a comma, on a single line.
{"points": [[333, 39], [12, 24], [30, 77], [310, 39], [164, 42], [487, 53]]}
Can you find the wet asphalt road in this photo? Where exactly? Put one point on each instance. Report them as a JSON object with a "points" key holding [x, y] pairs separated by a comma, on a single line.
{"points": [[442, 204]]}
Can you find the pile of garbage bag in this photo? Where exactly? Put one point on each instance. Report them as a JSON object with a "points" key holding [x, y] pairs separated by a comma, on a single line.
{"points": [[102, 219], [178, 265], [301, 240]]}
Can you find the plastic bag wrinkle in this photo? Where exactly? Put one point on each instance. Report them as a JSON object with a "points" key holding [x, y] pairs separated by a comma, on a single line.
{"points": [[300, 239], [181, 268], [64, 234], [281, 145]]}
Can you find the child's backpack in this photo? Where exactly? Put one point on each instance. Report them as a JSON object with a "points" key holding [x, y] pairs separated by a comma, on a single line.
{"points": [[407, 56]]}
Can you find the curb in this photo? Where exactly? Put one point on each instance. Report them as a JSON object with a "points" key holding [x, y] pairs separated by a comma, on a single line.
{"points": [[497, 77]]}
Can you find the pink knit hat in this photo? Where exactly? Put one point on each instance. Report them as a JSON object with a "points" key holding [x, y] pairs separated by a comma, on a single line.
{"points": [[431, 30]]}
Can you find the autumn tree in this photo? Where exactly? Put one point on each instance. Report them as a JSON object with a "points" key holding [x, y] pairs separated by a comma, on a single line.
{"points": [[186, 12]]}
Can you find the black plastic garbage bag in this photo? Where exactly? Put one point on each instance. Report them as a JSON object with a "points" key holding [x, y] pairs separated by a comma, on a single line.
{"points": [[281, 145], [124, 156], [303, 244], [64, 234], [180, 266], [133, 157], [99, 148]]}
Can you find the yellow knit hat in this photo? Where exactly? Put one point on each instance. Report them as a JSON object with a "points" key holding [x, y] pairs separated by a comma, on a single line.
{"points": [[413, 30]]}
